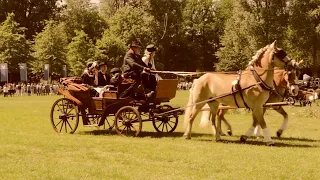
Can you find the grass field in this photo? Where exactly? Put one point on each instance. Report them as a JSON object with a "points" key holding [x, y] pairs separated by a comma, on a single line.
{"points": [[30, 149]]}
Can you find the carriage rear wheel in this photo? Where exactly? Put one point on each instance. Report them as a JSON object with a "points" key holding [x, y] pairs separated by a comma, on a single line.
{"points": [[166, 123], [128, 121], [64, 116]]}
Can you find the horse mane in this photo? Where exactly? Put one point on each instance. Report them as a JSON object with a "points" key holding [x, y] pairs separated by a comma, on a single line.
{"points": [[256, 58]]}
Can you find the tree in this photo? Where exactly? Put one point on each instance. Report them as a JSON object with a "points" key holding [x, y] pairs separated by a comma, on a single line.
{"points": [[30, 14], [130, 22], [271, 17], [111, 49], [80, 51], [50, 47], [81, 15], [303, 37], [239, 41], [202, 29], [14, 48]]}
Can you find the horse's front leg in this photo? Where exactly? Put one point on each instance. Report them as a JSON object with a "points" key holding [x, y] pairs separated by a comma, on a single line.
{"points": [[284, 125], [258, 113], [250, 131]]}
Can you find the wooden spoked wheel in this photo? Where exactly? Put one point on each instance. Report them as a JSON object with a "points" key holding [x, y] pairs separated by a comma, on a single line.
{"points": [[166, 123], [64, 116], [128, 121]]}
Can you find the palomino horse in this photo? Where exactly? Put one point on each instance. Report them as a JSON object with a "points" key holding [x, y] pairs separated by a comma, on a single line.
{"points": [[284, 81], [255, 83]]}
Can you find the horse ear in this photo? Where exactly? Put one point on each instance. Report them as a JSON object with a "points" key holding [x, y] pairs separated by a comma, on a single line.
{"points": [[274, 44]]}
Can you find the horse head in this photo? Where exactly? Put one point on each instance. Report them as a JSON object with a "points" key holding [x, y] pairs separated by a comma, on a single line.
{"points": [[279, 57], [291, 77]]}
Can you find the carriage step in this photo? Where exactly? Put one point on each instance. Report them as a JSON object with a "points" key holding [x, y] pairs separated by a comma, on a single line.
{"points": [[91, 125]]}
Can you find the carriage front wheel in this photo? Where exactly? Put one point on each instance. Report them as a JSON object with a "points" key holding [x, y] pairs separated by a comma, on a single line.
{"points": [[128, 121], [64, 116], [167, 123]]}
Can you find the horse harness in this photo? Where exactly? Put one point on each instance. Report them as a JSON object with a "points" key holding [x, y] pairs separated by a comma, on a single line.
{"points": [[237, 88]]}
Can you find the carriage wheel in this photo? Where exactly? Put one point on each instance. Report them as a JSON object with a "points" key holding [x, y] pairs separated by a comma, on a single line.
{"points": [[166, 123], [128, 121], [64, 116]]}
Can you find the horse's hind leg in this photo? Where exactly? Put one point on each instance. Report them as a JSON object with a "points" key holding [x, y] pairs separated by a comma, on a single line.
{"points": [[191, 116], [229, 129], [216, 129], [284, 125]]}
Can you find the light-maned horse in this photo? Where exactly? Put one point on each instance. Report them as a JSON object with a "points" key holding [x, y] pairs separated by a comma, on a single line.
{"points": [[284, 81], [256, 83]]}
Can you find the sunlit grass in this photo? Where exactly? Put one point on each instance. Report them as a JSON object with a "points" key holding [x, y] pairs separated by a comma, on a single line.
{"points": [[30, 149]]}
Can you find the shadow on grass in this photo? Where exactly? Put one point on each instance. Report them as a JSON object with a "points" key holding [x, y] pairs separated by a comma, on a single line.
{"points": [[260, 143], [143, 134], [200, 136]]}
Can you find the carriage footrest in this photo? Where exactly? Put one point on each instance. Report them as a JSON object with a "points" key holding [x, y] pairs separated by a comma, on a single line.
{"points": [[91, 125]]}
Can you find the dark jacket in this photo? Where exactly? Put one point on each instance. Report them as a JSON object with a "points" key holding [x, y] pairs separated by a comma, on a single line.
{"points": [[87, 79], [103, 79], [132, 62]]}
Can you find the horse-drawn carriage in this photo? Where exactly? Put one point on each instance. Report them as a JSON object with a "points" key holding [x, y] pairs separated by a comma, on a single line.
{"points": [[113, 109]]}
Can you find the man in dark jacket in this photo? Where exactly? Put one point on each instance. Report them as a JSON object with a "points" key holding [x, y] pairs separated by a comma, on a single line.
{"points": [[132, 63], [103, 76]]}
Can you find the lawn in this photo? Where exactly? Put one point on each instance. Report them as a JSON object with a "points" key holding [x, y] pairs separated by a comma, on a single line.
{"points": [[30, 149]]}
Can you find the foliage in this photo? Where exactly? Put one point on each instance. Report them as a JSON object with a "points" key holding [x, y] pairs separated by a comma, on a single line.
{"points": [[80, 51], [302, 37], [14, 48], [238, 42], [50, 47], [81, 15], [198, 35], [129, 23], [111, 49], [30, 14]]}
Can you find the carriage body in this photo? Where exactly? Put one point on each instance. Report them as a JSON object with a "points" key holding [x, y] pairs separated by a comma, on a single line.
{"points": [[111, 109]]}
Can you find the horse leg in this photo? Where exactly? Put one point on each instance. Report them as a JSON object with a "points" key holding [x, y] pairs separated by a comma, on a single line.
{"points": [[221, 114], [190, 116], [216, 129], [250, 131], [258, 113], [284, 125]]}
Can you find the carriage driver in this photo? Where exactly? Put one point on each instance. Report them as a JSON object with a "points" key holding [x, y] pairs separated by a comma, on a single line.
{"points": [[133, 65]]}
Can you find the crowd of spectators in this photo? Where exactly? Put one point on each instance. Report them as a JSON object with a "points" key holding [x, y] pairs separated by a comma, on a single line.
{"points": [[28, 89]]}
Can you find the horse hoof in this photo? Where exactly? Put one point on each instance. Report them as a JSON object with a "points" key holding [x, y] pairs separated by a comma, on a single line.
{"points": [[222, 134], [270, 143], [229, 132], [243, 138], [279, 133]]}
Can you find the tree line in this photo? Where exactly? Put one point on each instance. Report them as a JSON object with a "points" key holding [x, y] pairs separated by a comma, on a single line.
{"points": [[199, 35]]}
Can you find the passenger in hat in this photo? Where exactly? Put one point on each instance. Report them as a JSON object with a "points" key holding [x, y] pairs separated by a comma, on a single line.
{"points": [[149, 81], [88, 76], [103, 76]]}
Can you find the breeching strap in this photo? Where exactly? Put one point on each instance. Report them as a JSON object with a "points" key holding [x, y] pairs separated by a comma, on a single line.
{"points": [[209, 100]]}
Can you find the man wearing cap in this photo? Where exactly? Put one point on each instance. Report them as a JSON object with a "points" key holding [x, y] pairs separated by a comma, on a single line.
{"points": [[132, 63], [103, 76]]}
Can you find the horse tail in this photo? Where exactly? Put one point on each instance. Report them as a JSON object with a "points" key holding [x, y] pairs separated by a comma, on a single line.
{"points": [[205, 117], [188, 110]]}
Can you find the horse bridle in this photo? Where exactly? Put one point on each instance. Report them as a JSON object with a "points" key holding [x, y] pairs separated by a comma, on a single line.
{"points": [[280, 55]]}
